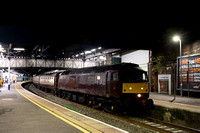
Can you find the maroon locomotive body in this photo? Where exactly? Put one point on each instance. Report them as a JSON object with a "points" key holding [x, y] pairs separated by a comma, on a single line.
{"points": [[85, 83], [114, 87]]}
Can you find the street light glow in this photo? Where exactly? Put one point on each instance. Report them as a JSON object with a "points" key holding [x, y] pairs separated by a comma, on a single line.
{"points": [[176, 38]]}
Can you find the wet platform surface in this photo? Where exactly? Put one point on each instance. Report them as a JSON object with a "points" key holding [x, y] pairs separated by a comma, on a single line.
{"points": [[185, 103], [24, 112]]}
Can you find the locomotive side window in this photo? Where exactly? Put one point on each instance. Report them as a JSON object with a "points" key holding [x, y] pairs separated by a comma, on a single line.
{"points": [[115, 76], [144, 76], [91, 79]]}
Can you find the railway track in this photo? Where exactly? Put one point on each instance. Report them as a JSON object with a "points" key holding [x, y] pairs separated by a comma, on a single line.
{"points": [[163, 126], [152, 124]]}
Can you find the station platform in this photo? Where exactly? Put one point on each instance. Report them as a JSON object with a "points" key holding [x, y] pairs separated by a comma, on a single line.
{"points": [[176, 102], [183, 111], [24, 112]]}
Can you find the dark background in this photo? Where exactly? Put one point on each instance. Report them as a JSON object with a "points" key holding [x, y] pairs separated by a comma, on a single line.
{"points": [[81, 26]]}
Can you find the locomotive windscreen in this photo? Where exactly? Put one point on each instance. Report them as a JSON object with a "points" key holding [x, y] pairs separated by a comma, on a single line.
{"points": [[133, 76]]}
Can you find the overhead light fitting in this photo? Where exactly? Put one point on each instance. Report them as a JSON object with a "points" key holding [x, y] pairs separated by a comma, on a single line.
{"points": [[93, 50], [88, 52], [19, 49], [1, 48]]}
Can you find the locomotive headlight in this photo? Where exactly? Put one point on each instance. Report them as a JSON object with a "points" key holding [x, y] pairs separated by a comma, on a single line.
{"points": [[130, 88], [139, 95]]}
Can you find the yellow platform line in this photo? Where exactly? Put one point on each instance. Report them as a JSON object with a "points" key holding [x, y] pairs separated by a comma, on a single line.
{"points": [[60, 116]]}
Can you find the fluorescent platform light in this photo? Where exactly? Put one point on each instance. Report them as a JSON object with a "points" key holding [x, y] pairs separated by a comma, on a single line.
{"points": [[88, 52], [93, 50], [19, 49]]}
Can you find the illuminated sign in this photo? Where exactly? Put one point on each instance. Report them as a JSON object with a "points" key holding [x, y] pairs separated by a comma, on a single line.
{"points": [[189, 72]]}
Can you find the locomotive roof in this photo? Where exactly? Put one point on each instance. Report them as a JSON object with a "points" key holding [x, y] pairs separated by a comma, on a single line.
{"points": [[100, 69]]}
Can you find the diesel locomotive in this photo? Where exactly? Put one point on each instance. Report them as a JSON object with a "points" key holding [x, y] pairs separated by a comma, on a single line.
{"points": [[114, 88]]}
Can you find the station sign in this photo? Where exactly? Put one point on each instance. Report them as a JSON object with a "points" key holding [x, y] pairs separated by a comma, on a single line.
{"points": [[164, 83]]}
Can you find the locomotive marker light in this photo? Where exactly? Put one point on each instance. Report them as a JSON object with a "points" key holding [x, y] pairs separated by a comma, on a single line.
{"points": [[177, 38], [98, 77]]}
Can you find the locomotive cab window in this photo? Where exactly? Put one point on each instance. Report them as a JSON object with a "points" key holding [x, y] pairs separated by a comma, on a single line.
{"points": [[133, 76], [115, 76], [144, 76]]}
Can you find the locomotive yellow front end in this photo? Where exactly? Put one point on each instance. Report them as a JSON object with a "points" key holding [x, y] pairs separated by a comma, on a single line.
{"points": [[136, 96], [139, 88]]}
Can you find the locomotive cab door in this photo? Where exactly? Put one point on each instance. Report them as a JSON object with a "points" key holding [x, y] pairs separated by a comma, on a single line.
{"points": [[112, 84], [108, 75]]}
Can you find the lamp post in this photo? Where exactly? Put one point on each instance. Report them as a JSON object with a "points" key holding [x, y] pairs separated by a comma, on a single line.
{"points": [[177, 38], [9, 66]]}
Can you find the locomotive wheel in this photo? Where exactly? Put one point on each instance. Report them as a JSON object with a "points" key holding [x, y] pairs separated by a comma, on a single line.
{"points": [[150, 106], [52, 92], [109, 107], [59, 94], [100, 105], [90, 103]]}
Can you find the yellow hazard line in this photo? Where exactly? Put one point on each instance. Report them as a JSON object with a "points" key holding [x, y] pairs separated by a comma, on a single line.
{"points": [[69, 122]]}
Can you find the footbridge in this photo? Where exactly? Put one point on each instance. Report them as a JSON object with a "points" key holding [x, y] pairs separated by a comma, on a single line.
{"points": [[22, 62]]}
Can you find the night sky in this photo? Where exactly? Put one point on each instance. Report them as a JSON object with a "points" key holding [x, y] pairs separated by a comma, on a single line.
{"points": [[128, 26]]}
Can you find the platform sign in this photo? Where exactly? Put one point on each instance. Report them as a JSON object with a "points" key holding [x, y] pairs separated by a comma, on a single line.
{"points": [[164, 83], [189, 71]]}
